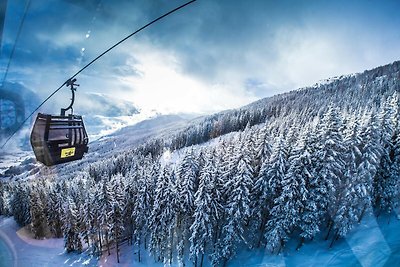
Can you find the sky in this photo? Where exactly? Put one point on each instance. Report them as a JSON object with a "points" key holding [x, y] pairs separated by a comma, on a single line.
{"points": [[209, 56]]}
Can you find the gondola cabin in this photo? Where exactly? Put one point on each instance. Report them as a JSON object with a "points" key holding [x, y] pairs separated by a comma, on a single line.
{"points": [[59, 139]]}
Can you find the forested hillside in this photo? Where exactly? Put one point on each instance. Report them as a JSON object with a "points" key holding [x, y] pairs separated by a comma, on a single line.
{"points": [[302, 165]]}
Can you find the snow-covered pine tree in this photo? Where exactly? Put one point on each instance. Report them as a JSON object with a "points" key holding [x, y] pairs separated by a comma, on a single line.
{"points": [[238, 201], [249, 137], [117, 206], [347, 213], [384, 185], [371, 150], [70, 219], [310, 223], [329, 166], [6, 198], [186, 186], [88, 220], [162, 219], [54, 207], [148, 193], [95, 217], [38, 216], [225, 152], [19, 204], [290, 202], [270, 181], [258, 209], [395, 167], [140, 192], [187, 182], [352, 190], [130, 201], [206, 212], [3, 190], [263, 148], [104, 207]]}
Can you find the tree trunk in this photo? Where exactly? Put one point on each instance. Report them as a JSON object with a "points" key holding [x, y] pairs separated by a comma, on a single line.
{"points": [[378, 213], [170, 248], [335, 237], [300, 243], [215, 238], [116, 245], [201, 260], [280, 247], [108, 245], [224, 262], [87, 240], [262, 229], [362, 213], [330, 225], [101, 246], [139, 259]]}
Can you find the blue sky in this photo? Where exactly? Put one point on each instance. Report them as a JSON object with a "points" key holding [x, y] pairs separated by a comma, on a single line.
{"points": [[210, 56]]}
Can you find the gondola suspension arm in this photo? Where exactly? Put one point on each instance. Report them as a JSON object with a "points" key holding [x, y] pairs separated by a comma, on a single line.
{"points": [[73, 86]]}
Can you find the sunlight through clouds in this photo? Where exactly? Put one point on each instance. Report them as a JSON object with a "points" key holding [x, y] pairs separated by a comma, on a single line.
{"points": [[161, 85]]}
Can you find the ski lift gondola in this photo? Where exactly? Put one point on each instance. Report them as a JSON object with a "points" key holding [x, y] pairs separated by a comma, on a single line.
{"points": [[59, 139]]}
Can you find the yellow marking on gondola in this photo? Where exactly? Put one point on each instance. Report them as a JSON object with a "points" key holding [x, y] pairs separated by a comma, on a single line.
{"points": [[67, 152]]}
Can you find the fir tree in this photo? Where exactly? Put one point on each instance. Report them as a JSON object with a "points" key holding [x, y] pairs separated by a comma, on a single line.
{"points": [[237, 208], [162, 217], [309, 224], [54, 206], [330, 162], [206, 212], [384, 182], [371, 151], [270, 182], [70, 227], [38, 217], [19, 204]]}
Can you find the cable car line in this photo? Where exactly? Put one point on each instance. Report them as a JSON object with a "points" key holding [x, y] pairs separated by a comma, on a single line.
{"points": [[15, 42], [91, 62]]}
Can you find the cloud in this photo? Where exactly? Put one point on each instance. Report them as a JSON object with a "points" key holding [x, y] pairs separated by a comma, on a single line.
{"points": [[210, 56], [164, 86]]}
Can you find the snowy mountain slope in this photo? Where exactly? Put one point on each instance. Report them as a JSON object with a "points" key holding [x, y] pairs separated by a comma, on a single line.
{"points": [[105, 105], [16, 102], [349, 92], [294, 170], [104, 114], [128, 137], [20, 166]]}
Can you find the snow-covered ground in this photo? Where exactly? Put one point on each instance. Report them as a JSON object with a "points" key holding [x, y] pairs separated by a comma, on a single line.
{"points": [[375, 243], [13, 159], [19, 250]]}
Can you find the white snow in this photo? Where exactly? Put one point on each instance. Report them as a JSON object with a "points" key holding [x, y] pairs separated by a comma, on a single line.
{"points": [[18, 249], [372, 243]]}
